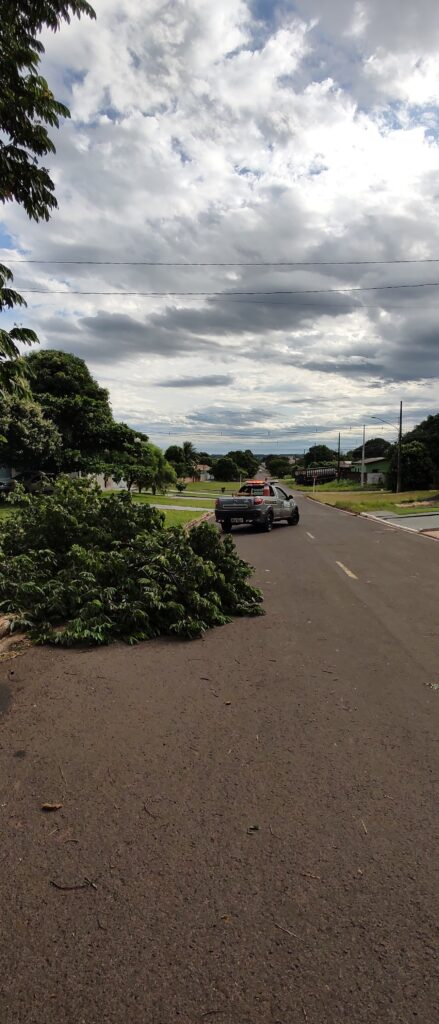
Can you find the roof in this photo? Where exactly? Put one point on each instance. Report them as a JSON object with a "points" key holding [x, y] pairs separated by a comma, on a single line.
{"points": [[378, 458]]}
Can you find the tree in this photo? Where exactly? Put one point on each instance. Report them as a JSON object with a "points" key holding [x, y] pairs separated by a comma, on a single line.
{"points": [[183, 459], [190, 457], [417, 467], [427, 433], [225, 469], [278, 465], [375, 448], [77, 405], [174, 455], [245, 460], [27, 105], [319, 454], [28, 440]]}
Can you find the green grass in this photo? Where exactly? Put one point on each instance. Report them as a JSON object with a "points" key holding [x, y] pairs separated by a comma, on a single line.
{"points": [[377, 501], [211, 487], [168, 499], [342, 485], [179, 518]]}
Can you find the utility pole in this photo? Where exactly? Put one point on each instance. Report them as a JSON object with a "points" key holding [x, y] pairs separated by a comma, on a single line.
{"points": [[338, 459], [399, 463], [362, 457]]}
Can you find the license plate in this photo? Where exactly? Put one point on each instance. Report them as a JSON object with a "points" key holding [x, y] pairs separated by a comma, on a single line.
{"points": [[237, 521]]}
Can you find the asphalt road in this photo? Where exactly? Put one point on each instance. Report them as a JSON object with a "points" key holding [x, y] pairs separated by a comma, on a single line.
{"points": [[253, 818]]}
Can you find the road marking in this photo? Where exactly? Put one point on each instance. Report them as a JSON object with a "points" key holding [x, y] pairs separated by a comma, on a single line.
{"points": [[310, 535], [347, 571]]}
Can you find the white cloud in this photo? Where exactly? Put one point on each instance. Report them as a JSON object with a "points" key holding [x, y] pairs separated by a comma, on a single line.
{"points": [[204, 132]]}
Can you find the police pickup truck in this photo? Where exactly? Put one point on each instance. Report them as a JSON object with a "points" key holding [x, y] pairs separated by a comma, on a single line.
{"points": [[259, 502]]}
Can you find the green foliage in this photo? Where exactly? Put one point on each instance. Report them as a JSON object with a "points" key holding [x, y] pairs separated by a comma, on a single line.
{"points": [[27, 105], [278, 465], [76, 404], [28, 440], [427, 433], [374, 448], [245, 460], [319, 455], [182, 458], [181, 486], [225, 469], [417, 467], [79, 566]]}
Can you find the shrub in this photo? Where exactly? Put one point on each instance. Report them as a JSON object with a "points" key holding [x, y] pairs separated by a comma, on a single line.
{"points": [[81, 566]]}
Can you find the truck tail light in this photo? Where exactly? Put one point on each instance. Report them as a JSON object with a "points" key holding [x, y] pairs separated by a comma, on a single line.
{"points": [[258, 501]]}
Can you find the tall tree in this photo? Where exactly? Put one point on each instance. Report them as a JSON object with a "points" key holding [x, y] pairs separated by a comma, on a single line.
{"points": [[245, 460], [27, 439], [417, 467], [374, 448], [319, 454], [27, 106], [76, 404], [427, 433]]}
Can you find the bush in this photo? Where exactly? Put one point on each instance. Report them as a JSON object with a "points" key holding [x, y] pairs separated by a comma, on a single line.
{"points": [[81, 566]]}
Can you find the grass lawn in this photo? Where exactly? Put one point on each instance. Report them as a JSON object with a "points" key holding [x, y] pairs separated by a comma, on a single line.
{"points": [[212, 487], [373, 501], [179, 518], [171, 499]]}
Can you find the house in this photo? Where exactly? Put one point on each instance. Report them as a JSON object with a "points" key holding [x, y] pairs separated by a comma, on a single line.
{"points": [[202, 472], [376, 469]]}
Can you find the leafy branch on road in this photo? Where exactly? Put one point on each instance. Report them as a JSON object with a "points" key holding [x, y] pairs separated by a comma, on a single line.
{"points": [[80, 566]]}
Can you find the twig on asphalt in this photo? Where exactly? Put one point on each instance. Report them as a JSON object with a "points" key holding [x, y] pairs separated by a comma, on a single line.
{"points": [[151, 815], [305, 1013], [215, 694], [90, 882], [62, 776], [86, 884], [307, 874], [273, 833], [365, 829], [286, 930]]}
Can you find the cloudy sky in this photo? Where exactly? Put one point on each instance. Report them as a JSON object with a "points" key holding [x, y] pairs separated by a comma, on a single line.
{"points": [[264, 156]]}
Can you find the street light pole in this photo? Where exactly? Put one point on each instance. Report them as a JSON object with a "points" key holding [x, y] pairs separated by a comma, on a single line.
{"points": [[362, 457], [399, 463]]}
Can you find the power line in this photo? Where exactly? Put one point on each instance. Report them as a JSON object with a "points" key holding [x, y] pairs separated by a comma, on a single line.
{"points": [[226, 295], [262, 263]]}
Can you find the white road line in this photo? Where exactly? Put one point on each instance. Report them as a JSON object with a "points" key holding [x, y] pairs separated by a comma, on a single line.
{"points": [[347, 571], [310, 535]]}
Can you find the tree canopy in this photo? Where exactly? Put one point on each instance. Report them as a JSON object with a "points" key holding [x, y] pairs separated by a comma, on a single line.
{"points": [[246, 462], [417, 467], [225, 469], [28, 439], [27, 109], [374, 448], [427, 433], [77, 405], [278, 465], [320, 455]]}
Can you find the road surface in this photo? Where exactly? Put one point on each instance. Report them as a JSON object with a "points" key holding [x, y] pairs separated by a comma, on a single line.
{"points": [[251, 820]]}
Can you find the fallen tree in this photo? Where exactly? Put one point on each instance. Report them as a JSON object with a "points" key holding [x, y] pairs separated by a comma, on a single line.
{"points": [[79, 566]]}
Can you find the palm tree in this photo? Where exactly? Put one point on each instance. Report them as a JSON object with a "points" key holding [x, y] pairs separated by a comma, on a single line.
{"points": [[190, 457]]}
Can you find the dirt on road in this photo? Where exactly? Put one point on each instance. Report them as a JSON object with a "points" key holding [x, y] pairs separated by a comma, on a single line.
{"points": [[248, 823]]}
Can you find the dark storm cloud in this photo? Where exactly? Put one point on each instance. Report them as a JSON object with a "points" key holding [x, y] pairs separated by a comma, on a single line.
{"points": [[212, 380]]}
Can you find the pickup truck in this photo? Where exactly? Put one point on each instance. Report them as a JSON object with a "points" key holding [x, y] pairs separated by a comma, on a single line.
{"points": [[259, 502]]}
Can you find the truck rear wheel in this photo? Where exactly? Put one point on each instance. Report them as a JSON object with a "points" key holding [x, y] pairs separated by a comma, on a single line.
{"points": [[294, 519], [268, 525]]}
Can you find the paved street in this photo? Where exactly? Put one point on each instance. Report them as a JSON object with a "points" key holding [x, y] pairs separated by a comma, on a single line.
{"points": [[249, 823]]}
